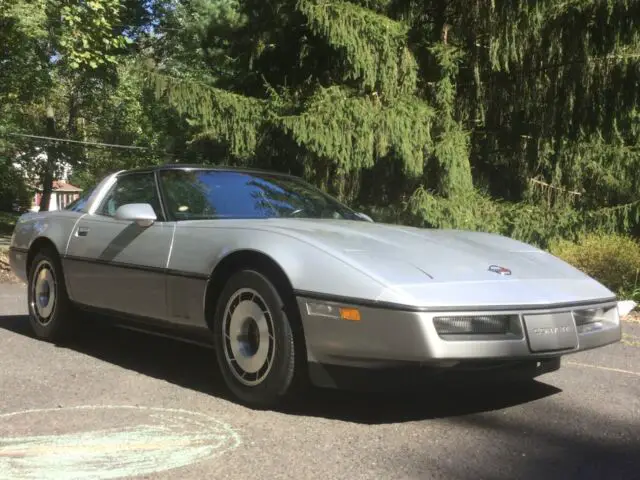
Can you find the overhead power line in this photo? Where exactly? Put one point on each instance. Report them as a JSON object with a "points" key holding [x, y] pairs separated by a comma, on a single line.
{"points": [[96, 144]]}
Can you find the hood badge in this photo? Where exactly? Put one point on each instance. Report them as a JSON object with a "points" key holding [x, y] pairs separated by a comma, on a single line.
{"points": [[499, 270]]}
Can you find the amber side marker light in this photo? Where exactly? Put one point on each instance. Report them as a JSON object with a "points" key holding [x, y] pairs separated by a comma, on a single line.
{"points": [[352, 314]]}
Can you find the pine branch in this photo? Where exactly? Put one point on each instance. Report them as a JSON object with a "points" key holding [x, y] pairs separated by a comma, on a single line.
{"points": [[354, 132], [374, 45], [224, 116]]}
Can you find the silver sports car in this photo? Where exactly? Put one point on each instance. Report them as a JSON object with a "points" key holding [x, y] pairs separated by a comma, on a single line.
{"points": [[289, 285]]}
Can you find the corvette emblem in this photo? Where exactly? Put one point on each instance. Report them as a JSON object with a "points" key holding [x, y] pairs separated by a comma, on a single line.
{"points": [[499, 270]]}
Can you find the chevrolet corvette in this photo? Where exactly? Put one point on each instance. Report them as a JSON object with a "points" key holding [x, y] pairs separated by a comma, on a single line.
{"points": [[290, 286]]}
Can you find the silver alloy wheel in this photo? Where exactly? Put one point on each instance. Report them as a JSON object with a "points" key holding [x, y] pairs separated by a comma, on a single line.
{"points": [[43, 292], [249, 341]]}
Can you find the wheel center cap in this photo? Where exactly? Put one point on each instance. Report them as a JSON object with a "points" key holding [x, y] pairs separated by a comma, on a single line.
{"points": [[44, 293], [249, 337]]}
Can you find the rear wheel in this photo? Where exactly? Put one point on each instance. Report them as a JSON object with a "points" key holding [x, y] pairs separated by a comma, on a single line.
{"points": [[50, 312], [259, 344]]}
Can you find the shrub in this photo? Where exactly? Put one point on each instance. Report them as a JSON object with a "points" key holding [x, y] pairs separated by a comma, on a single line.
{"points": [[13, 188], [612, 259]]}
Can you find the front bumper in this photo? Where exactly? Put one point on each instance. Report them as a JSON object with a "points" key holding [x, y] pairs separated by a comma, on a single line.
{"points": [[388, 338]]}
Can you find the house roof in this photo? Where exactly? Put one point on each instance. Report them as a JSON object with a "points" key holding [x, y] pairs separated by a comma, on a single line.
{"points": [[62, 186]]}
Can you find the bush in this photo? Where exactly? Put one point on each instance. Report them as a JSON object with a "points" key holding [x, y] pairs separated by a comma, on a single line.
{"points": [[13, 188], [613, 260]]}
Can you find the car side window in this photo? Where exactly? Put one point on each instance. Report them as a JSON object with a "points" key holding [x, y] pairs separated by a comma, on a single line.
{"points": [[131, 188], [187, 197], [80, 203]]}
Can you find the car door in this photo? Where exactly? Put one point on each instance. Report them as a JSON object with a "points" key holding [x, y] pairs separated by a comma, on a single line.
{"points": [[116, 264]]}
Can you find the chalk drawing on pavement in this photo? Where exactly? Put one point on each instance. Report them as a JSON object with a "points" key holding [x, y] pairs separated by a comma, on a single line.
{"points": [[105, 442]]}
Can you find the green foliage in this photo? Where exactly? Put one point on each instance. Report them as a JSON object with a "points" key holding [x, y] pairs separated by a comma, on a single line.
{"points": [[22, 30], [612, 259], [564, 84], [436, 106], [536, 223], [27, 18], [375, 46], [13, 188], [452, 142], [633, 294], [520, 118], [7, 222], [190, 44], [354, 132], [222, 115], [86, 38], [122, 117], [82, 34], [57, 65]]}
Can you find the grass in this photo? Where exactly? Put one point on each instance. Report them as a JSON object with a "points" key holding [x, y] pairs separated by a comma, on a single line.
{"points": [[630, 340]]}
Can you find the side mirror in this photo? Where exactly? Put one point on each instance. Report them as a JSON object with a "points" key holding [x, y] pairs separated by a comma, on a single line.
{"points": [[141, 213], [364, 216]]}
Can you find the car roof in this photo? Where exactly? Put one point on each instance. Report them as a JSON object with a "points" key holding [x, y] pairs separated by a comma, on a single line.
{"points": [[220, 168]]}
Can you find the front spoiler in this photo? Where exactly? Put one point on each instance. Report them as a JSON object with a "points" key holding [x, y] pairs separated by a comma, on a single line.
{"points": [[412, 376]]}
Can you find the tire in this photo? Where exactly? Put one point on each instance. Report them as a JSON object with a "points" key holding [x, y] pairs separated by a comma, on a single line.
{"points": [[50, 312], [258, 342]]}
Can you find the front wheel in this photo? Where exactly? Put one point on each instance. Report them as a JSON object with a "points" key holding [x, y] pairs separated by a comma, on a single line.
{"points": [[259, 347], [50, 312]]}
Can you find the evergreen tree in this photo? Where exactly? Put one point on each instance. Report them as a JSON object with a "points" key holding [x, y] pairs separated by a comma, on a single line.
{"points": [[514, 117]]}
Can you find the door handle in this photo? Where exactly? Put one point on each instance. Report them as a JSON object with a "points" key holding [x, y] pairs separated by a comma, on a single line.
{"points": [[83, 231]]}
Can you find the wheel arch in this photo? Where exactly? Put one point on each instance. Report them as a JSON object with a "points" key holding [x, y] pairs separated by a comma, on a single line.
{"points": [[254, 259], [38, 245]]}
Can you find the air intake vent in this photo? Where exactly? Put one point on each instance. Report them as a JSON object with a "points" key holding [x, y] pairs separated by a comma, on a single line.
{"points": [[475, 324]]}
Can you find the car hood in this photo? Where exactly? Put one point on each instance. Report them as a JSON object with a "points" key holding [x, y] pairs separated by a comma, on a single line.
{"points": [[439, 255], [440, 267], [437, 267]]}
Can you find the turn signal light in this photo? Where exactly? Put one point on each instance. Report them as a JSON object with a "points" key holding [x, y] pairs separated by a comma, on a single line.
{"points": [[352, 314], [326, 310]]}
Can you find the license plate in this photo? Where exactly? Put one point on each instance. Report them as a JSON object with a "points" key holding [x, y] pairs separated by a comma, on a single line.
{"points": [[551, 331]]}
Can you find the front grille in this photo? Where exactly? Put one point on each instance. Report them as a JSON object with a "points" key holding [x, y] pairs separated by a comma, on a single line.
{"points": [[480, 324]]}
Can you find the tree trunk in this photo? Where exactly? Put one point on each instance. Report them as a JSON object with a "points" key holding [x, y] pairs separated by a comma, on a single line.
{"points": [[50, 165]]}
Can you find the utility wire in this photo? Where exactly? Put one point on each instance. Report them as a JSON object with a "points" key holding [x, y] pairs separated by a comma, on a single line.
{"points": [[55, 139]]}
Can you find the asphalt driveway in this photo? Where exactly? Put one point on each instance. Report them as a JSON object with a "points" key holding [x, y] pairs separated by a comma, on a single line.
{"points": [[123, 404]]}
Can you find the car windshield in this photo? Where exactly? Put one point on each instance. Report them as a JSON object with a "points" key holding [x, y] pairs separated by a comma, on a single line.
{"points": [[214, 194]]}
